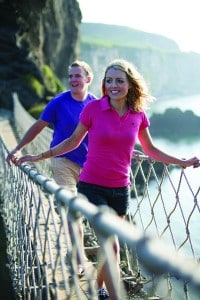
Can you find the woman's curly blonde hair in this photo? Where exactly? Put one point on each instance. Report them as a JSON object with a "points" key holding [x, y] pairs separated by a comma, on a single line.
{"points": [[138, 95]]}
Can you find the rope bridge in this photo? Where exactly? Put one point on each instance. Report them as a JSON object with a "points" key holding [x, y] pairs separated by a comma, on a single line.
{"points": [[159, 240]]}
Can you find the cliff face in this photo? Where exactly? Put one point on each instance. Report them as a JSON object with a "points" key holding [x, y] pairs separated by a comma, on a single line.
{"points": [[34, 33], [168, 71], [168, 74]]}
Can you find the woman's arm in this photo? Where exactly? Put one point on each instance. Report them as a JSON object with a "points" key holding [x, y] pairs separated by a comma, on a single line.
{"points": [[28, 137], [157, 154], [67, 145]]}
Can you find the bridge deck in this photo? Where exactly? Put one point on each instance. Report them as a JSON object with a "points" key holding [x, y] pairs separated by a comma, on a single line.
{"points": [[6, 129]]}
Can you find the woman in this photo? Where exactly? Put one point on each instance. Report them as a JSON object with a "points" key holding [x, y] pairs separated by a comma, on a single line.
{"points": [[113, 123]]}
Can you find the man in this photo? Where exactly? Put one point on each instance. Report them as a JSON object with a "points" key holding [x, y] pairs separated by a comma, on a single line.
{"points": [[62, 112]]}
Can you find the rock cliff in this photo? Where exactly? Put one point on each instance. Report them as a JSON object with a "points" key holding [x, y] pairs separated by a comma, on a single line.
{"points": [[34, 33], [168, 71]]}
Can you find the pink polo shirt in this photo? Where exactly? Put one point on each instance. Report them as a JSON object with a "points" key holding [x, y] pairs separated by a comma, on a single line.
{"points": [[111, 142]]}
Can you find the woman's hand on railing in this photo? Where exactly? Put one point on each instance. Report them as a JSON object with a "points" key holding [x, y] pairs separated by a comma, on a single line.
{"points": [[12, 156], [194, 161], [27, 158]]}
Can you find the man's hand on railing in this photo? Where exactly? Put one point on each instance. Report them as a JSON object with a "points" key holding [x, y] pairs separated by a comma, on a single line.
{"points": [[137, 153]]}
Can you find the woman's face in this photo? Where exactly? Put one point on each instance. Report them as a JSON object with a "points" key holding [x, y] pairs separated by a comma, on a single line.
{"points": [[116, 84]]}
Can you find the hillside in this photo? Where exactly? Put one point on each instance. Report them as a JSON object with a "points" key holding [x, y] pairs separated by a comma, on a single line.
{"points": [[187, 124], [168, 71], [113, 35]]}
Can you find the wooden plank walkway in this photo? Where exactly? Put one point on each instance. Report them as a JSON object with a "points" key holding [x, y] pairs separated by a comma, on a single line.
{"points": [[6, 129]]}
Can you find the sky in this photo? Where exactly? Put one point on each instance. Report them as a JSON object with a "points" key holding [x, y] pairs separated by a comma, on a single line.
{"points": [[175, 19]]}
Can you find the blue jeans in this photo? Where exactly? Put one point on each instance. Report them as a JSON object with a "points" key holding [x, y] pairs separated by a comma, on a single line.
{"points": [[116, 198]]}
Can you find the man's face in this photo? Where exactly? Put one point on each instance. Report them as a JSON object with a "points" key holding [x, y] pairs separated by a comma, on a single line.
{"points": [[77, 80]]}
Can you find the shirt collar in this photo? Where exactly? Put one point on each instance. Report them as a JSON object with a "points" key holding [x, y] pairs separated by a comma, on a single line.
{"points": [[105, 105]]}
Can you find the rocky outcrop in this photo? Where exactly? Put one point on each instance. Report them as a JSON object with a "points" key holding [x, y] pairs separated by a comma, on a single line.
{"points": [[34, 33]]}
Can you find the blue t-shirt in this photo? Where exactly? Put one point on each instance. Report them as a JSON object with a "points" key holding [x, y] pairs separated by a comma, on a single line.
{"points": [[62, 112]]}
